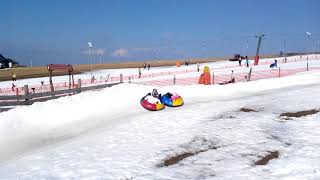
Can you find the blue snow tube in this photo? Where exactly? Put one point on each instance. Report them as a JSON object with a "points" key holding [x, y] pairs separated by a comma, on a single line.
{"points": [[172, 101]]}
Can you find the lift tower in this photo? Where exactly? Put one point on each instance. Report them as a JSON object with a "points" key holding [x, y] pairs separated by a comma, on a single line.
{"points": [[256, 59]]}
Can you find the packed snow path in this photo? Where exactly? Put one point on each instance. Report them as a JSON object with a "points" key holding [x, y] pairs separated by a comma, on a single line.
{"points": [[107, 135]]}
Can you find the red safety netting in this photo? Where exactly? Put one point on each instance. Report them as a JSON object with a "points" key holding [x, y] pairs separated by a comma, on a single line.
{"points": [[180, 81], [223, 78]]}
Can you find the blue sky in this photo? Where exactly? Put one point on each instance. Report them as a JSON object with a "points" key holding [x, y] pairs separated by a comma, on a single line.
{"points": [[47, 31]]}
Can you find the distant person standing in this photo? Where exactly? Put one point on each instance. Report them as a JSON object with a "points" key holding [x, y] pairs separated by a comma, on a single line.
{"points": [[232, 77], [14, 76], [92, 79], [149, 66], [139, 72], [198, 67], [13, 86], [144, 66], [247, 61], [10, 64]]}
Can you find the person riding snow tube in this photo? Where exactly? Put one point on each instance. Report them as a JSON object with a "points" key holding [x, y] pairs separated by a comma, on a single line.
{"points": [[172, 100], [152, 101]]}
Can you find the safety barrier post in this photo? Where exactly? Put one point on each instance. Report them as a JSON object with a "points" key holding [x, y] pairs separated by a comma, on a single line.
{"points": [[249, 74], [279, 73], [79, 85], [174, 79], [121, 78], [26, 92], [307, 66], [212, 77], [129, 78], [17, 93]]}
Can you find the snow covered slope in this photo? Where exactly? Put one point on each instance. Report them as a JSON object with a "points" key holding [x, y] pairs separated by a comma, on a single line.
{"points": [[108, 135]]}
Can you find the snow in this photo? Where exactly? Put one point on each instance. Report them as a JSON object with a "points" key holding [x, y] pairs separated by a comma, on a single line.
{"points": [[107, 134]]}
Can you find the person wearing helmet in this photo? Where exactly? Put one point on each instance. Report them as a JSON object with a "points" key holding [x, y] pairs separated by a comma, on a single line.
{"points": [[155, 93], [153, 97]]}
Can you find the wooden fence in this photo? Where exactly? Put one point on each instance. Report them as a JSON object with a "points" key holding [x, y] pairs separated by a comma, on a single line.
{"points": [[29, 98]]}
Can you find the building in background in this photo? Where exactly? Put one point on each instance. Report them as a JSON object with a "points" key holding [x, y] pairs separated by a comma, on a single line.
{"points": [[7, 63]]}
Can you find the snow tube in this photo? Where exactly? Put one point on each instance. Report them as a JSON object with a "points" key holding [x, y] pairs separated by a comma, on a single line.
{"points": [[172, 100], [151, 106]]}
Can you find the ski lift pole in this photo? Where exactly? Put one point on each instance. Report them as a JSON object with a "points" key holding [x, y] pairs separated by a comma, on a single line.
{"points": [[256, 60]]}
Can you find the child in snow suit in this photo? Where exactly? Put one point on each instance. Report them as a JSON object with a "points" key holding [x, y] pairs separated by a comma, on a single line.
{"points": [[153, 97], [275, 64]]}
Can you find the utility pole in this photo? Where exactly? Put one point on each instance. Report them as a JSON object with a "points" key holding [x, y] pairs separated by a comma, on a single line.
{"points": [[308, 38], [285, 50], [256, 60], [157, 54], [317, 46], [100, 57], [247, 47], [284, 46], [90, 46], [204, 46]]}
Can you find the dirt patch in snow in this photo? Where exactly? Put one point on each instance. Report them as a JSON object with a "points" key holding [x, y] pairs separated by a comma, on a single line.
{"points": [[247, 110], [231, 117], [224, 117], [288, 115], [194, 147], [177, 158], [265, 159]]}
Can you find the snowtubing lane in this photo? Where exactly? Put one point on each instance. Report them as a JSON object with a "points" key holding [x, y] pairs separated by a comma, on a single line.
{"points": [[36, 142], [39, 141]]}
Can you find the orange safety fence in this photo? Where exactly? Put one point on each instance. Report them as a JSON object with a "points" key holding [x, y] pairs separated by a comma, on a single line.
{"points": [[222, 78], [218, 78]]}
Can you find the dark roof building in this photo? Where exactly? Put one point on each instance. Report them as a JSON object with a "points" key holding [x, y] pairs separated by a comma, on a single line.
{"points": [[6, 61]]}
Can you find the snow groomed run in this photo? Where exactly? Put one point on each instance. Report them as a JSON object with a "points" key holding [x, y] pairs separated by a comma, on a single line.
{"points": [[263, 129]]}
